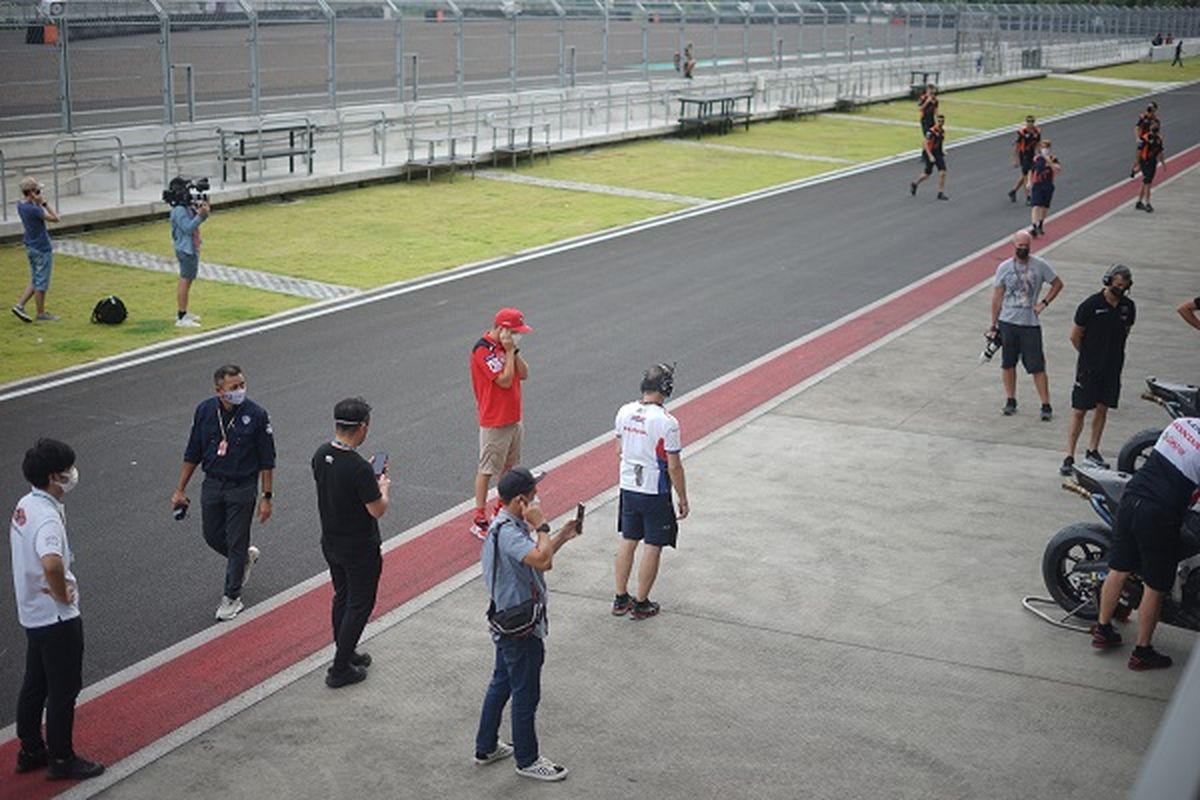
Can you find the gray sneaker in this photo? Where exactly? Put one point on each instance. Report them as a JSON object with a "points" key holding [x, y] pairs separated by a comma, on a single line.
{"points": [[543, 770], [229, 608], [46, 316], [503, 750], [22, 314]]}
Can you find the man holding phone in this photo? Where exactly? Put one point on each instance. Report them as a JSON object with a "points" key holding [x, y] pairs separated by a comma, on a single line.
{"points": [[352, 495]]}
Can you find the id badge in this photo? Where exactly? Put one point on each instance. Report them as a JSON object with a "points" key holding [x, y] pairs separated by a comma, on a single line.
{"points": [[222, 447]]}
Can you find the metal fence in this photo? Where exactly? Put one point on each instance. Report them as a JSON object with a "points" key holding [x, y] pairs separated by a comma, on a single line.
{"points": [[74, 64]]}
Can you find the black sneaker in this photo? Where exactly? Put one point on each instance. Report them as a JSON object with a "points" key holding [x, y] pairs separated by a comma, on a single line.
{"points": [[22, 314], [361, 660], [1140, 206], [644, 609], [1033, 231], [73, 769], [351, 674], [1012, 196], [1132, 173], [942, 196], [28, 762], [912, 188], [1149, 209], [622, 605], [1094, 458], [1144, 658], [1047, 412], [1068, 466], [1010, 406], [1041, 226], [1105, 637]]}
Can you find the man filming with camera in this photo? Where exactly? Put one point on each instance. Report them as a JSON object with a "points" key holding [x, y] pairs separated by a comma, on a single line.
{"points": [[189, 210]]}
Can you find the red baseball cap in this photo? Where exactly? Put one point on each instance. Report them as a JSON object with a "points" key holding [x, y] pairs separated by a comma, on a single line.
{"points": [[512, 319]]}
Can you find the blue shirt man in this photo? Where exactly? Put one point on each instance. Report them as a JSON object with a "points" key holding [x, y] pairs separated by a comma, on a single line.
{"points": [[232, 440], [186, 219], [35, 213], [515, 556]]}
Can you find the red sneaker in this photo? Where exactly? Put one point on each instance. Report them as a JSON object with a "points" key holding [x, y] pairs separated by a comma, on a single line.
{"points": [[1105, 638]]}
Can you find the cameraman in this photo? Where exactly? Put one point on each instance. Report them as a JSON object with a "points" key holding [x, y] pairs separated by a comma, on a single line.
{"points": [[188, 212]]}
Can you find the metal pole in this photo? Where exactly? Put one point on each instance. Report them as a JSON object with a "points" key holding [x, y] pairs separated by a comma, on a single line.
{"points": [[331, 76], [512, 52], [603, 42], [255, 88], [746, 41], [191, 92], [399, 57], [64, 79], [168, 87], [562, 44], [459, 48], [572, 84], [416, 78], [645, 46]]}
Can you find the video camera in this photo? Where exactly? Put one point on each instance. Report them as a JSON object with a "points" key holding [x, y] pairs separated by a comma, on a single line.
{"points": [[185, 192]]}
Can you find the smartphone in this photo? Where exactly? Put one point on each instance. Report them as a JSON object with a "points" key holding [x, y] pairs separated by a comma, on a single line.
{"points": [[180, 511], [579, 519], [379, 463]]}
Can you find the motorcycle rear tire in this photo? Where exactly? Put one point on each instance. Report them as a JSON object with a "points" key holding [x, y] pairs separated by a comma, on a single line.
{"points": [[1093, 537], [1134, 452]]}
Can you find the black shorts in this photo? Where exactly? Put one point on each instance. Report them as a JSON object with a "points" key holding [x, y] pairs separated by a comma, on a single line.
{"points": [[1022, 342], [1148, 170], [1096, 388], [1026, 165], [647, 517], [1146, 541], [1041, 193], [938, 160]]}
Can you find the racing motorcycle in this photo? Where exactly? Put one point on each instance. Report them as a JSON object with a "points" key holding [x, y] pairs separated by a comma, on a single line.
{"points": [[1178, 400], [1075, 562]]}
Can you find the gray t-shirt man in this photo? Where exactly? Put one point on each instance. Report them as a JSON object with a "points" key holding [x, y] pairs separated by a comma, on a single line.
{"points": [[514, 579], [1022, 284]]}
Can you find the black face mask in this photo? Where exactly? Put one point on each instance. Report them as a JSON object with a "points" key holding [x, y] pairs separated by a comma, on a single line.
{"points": [[1119, 291], [1022, 253]]}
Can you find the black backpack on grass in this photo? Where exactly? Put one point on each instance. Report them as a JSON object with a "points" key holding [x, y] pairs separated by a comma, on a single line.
{"points": [[110, 311]]}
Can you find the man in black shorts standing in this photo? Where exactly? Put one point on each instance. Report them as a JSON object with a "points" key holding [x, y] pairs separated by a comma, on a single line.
{"points": [[1102, 324], [351, 499], [1149, 157], [1146, 538], [933, 156]]}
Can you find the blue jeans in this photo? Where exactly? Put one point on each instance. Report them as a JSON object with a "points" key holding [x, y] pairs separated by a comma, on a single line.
{"points": [[40, 262], [518, 674]]}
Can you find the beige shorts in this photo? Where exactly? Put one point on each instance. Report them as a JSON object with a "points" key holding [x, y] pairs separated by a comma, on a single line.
{"points": [[499, 448]]}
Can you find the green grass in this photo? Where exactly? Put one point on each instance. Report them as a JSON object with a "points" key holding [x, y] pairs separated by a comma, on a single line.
{"points": [[1159, 71], [27, 350], [827, 136], [382, 234]]}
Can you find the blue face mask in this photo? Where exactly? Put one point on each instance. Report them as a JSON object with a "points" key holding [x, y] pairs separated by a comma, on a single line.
{"points": [[234, 397]]}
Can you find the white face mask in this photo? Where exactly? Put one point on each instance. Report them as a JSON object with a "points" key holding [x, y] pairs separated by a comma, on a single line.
{"points": [[1045, 152], [234, 397], [517, 338], [71, 482]]}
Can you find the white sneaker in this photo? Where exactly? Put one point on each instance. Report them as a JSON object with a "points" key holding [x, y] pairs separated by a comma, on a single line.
{"points": [[503, 750], [191, 316], [184, 322], [252, 554], [229, 608], [543, 770]]}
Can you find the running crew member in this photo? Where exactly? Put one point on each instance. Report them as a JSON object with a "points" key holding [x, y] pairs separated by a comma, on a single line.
{"points": [[927, 103], [1146, 538], [1149, 157], [1025, 148], [933, 156], [1041, 187]]}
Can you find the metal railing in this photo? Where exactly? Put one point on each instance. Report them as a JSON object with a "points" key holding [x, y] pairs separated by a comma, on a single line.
{"points": [[379, 128], [174, 133], [261, 124], [79, 139]]}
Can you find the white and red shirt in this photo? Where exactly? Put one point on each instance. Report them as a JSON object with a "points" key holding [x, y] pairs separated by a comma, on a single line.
{"points": [[497, 405], [647, 434], [39, 529], [1172, 472]]}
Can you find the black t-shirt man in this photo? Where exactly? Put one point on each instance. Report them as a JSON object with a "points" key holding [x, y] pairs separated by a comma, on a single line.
{"points": [[1105, 329], [346, 483]]}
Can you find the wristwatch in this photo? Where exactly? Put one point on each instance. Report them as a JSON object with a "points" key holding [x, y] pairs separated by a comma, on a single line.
{"points": [[268, 495], [543, 528]]}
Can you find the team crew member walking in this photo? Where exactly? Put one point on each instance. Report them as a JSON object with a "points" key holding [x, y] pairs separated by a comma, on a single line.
{"points": [[1024, 150], [1041, 187], [933, 156], [1016, 313], [232, 441], [1146, 538], [35, 213], [1145, 121], [648, 444], [351, 499], [48, 610], [515, 558], [1102, 324], [497, 370], [927, 104], [1149, 157]]}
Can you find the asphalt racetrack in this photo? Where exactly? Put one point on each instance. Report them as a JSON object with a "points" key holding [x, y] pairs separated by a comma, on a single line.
{"points": [[711, 291]]}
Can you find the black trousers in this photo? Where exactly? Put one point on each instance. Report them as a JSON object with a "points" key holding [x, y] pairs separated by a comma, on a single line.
{"points": [[53, 678], [226, 511], [355, 583]]}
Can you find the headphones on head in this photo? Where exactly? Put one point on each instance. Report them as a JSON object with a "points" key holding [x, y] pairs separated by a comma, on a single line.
{"points": [[659, 378], [1115, 270]]}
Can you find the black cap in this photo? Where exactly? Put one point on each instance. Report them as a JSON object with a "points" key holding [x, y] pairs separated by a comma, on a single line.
{"points": [[517, 481]]}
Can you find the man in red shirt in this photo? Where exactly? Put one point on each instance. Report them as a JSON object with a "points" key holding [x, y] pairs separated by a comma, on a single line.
{"points": [[497, 370]]}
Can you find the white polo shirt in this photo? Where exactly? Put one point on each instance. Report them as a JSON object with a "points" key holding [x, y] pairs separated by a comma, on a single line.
{"points": [[647, 434], [39, 529]]}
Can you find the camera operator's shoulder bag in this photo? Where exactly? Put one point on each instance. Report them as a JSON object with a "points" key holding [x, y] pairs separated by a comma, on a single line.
{"points": [[109, 311], [521, 620]]}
